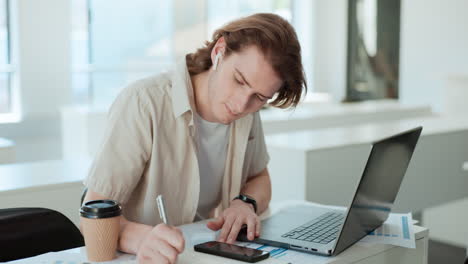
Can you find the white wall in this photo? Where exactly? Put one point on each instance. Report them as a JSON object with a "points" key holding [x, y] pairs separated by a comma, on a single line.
{"points": [[196, 10], [434, 43], [304, 24], [42, 48], [44, 58], [331, 20]]}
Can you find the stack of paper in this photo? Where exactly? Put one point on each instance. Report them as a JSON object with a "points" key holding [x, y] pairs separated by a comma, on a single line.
{"points": [[397, 230]]}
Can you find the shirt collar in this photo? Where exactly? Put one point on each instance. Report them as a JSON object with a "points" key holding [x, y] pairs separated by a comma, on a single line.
{"points": [[182, 90]]}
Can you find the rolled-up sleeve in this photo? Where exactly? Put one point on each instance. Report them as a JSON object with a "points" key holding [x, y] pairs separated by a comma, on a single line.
{"points": [[126, 147]]}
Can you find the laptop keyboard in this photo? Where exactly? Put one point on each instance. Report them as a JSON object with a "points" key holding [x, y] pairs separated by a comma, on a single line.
{"points": [[322, 229]]}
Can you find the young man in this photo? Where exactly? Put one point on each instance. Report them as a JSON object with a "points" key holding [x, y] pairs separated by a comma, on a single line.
{"points": [[195, 136]]}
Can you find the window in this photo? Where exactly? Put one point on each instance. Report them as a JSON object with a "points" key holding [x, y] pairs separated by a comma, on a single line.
{"points": [[80, 52], [5, 60], [115, 42], [220, 12], [373, 50]]}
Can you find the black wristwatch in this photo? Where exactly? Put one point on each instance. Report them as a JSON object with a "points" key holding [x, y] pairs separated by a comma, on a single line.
{"points": [[247, 199]]}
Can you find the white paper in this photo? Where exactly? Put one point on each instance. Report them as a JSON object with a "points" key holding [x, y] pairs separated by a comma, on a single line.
{"points": [[397, 230]]}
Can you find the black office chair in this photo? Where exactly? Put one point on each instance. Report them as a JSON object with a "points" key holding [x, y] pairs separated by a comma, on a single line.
{"points": [[466, 258], [27, 232]]}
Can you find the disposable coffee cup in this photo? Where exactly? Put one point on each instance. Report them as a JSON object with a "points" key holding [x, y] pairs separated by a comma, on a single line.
{"points": [[100, 223]]}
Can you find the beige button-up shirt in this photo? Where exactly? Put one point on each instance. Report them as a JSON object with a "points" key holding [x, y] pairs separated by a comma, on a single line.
{"points": [[148, 149]]}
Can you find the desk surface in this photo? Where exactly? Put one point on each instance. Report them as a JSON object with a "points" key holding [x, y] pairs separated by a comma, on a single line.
{"points": [[356, 253]]}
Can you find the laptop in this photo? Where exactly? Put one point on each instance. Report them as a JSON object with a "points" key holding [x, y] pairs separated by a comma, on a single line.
{"points": [[328, 232]]}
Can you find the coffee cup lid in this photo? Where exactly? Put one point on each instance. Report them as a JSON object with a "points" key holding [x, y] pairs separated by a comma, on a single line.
{"points": [[100, 209]]}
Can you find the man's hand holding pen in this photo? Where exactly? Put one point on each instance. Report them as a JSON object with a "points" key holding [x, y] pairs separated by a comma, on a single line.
{"points": [[163, 243]]}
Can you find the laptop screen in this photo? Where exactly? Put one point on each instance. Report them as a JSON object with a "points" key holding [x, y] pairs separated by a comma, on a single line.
{"points": [[379, 185]]}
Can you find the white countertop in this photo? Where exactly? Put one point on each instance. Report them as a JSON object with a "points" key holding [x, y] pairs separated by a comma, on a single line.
{"points": [[305, 110], [20, 177], [327, 110], [350, 135]]}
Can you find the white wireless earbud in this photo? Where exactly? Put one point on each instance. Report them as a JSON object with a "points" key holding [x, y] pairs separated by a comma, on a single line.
{"points": [[217, 57]]}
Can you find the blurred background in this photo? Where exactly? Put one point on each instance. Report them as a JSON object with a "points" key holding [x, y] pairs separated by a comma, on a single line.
{"points": [[372, 67]]}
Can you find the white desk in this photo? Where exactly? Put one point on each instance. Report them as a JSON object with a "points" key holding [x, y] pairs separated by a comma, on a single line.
{"points": [[324, 165], [363, 253]]}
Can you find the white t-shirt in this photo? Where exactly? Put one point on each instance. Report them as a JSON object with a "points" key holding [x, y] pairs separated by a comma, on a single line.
{"points": [[211, 144]]}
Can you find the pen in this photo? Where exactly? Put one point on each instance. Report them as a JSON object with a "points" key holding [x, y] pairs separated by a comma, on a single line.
{"points": [[162, 209]]}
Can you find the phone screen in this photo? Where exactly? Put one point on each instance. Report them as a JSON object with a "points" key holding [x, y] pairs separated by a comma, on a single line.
{"points": [[232, 251]]}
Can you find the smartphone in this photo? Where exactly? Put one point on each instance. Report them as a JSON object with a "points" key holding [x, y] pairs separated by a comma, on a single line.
{"points": [[232, 251]]}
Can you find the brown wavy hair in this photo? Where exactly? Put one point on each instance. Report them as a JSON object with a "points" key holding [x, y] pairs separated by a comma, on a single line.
{"points": [[275, 37]]}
